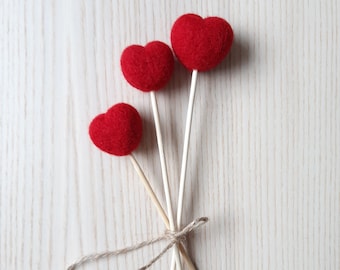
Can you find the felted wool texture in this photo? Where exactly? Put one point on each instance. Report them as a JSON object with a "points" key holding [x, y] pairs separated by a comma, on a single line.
{"points": [[147, 68], [199, 43], [118, 131]]}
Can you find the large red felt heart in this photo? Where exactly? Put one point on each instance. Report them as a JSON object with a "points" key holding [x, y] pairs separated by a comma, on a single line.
{"points": [[118, 131], [201, 43], [147, 68]]}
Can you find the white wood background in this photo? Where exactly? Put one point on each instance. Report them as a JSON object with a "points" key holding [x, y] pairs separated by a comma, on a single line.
{"points": [[265, 154]]}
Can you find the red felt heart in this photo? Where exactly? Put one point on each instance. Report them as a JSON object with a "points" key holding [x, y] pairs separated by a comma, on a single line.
{"points": [[201, 43], [147, 68], [118, 131]]}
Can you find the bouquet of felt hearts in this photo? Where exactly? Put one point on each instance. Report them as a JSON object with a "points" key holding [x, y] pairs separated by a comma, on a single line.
{"points": [[199, 44]]}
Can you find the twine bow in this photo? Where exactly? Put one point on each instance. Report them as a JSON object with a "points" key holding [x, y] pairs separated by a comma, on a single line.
{"points": [[173, 238]]}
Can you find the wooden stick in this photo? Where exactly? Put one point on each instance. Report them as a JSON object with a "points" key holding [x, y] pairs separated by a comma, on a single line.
{"points": [[164, 174], [159, 207], [186, 147], [149, 190]]}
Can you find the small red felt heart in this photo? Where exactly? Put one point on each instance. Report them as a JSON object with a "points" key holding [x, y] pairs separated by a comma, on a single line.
{"points": [[201, 43], [147, 68], [118, 131]]}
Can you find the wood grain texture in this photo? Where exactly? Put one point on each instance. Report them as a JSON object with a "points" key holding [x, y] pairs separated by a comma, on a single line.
{"points": [[264, 161]]}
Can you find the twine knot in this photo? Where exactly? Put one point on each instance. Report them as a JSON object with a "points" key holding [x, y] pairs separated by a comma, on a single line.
{"points": [[180, 236], [173, 237]]}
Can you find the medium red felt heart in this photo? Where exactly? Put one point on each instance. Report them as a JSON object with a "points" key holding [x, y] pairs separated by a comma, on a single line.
{"points": [[147, 68], [118, 131], [201, 43]]}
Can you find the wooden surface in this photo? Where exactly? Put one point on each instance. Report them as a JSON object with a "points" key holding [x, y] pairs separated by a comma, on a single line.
{"points": [[264, 161]]}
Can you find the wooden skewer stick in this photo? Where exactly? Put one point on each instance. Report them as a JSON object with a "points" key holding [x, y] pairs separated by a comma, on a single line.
{"points": [[159, 207], [164, 174], [186, 146], [149, 189], [186, 150]]}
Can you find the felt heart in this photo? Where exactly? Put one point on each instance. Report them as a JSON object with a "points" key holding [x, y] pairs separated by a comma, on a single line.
{"points": [[201, 43], [147, 68], [118, 131]]}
